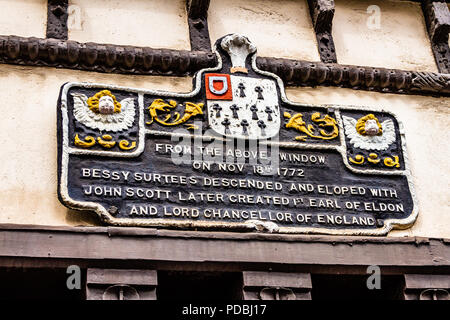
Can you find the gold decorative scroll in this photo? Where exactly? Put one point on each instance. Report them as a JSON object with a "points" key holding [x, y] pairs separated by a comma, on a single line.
{"points": [[392, 161], [106, 141], [388, 162], [373, 158], [359, 159], [125, 145], [296, 121], [87, 143], [159, 105]]}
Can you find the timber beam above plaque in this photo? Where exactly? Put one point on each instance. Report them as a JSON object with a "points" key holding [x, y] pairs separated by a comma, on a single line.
{"points": [[233, 154]]}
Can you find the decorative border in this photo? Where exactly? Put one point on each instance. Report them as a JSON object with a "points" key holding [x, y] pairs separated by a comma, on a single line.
{"points": [[65, 150]]}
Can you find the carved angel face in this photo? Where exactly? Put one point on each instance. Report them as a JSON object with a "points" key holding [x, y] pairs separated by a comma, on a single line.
{"points": [[368, 133], [104, 102], [371, 127], [106, 105], [103, 112]]}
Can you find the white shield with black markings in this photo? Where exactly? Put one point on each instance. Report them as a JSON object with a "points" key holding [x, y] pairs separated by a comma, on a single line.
{"points": [[252, 110]]}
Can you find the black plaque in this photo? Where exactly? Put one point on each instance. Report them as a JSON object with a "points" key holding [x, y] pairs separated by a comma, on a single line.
{"points": [[232, 154]]}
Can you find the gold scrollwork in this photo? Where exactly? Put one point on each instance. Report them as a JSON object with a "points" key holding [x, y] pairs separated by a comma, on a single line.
{"points": [[388, 162], [88, 142], [125, 145], [296, 121], [106, 141], [373, 158], [326, 122], [159, 105], [359, 159]]}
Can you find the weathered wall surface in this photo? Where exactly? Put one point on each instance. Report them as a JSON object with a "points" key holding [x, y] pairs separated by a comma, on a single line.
{"points": [[26, 18], [393, 36], [278, 28], [28, 161], [156, 23]]}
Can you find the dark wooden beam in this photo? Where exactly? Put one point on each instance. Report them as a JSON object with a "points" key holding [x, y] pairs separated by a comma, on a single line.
{"points": [[102, 57], [99, 245], [427, 287], [121, 284], [149, 61], [303, 73], [57, 19], [198, 24], [322, 13], [197, 8], [437, 18], [259, 285]]}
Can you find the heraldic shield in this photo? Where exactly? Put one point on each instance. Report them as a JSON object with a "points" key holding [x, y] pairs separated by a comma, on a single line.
{"points": [[241, 104], [242, 107]]}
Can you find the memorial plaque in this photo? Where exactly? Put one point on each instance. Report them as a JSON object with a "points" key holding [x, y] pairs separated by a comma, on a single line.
{"points": [[233, 154]]}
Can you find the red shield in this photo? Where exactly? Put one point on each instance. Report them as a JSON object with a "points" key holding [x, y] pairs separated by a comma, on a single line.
{"points": [[218, 86]]}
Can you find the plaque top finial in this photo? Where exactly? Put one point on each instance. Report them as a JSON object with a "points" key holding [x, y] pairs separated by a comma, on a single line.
{"points": [[238, 47]]}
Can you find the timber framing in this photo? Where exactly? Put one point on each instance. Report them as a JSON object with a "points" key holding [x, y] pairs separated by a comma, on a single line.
{"points": [[57, 51], [102, 57], [322, 13], [198, 24], [437, 18], [148, 61], [115, 247], [57, 15]]}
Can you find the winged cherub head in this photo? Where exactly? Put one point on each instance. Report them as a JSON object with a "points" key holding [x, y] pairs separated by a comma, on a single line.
{"points": [[369, 126], [104, 102], [103, 112]]}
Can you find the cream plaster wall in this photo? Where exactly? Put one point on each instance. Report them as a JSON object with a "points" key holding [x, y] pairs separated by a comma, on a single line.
{"points": [[151, 23], [280, 28], [26, 18], [400, 42], [28, 158]]}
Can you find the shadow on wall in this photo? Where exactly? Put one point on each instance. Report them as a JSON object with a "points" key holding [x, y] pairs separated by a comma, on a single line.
{"points": [[82, 218]]}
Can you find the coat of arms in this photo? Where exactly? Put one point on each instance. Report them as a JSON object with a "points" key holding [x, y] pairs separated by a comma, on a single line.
{"points": [[242, 107]]}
